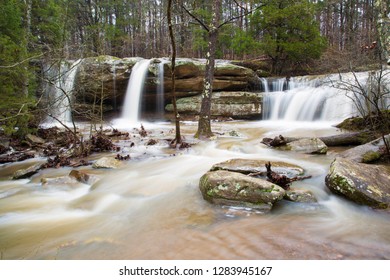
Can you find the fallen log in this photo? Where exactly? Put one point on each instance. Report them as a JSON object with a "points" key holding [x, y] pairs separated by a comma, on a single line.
{"points": [[346, 139]]}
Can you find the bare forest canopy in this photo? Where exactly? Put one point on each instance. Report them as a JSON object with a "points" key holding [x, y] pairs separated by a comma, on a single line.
{"points": [[310, 36]]}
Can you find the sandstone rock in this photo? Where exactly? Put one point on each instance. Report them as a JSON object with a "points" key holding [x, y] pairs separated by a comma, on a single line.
{"points": [[34, 139], [302, 196], [307, 146], [225, 104], [247, 166], [80, 176], [362, 183], [107, 162], [366, 153], [235, 189], [27, 172]]}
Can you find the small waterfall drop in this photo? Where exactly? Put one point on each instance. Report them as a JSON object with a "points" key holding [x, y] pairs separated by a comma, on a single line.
{"points": [[131, 105], [304, 99], [60, 92], [160, 90]]}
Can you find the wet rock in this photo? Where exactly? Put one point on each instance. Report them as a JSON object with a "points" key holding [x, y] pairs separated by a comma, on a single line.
{"points": [[235, 189], [366, 153], [302, 196], [224, 104], [307, 146], [34, 139], [107, 162], [247, 166], [80, 176], [362, 183], [27, 172]]}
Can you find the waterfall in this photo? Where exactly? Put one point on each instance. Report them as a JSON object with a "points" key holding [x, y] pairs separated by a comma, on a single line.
{"points": [[59, 91], [131, 106], [304, 99], [160, 90]]}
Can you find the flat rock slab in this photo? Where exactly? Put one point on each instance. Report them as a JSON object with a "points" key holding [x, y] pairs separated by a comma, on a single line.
{"points": [[236, 189], [247, 166], [362, 183]]}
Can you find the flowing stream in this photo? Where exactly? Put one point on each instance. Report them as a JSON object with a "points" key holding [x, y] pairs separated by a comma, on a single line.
{"points": [[151, 208]]}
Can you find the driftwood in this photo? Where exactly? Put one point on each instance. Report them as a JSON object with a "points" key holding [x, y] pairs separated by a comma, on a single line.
{"points": [[281, 180], [16, 156], [353, 138]]}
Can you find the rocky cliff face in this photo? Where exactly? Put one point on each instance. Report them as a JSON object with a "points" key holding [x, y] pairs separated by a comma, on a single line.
{"points": [[106, 78]]}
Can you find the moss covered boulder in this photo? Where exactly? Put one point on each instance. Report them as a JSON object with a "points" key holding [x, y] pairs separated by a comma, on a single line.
{"points": [[236, 189], [362, 183]]}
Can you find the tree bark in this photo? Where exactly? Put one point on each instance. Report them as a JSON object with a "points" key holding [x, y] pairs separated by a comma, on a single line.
{"points": [[383, 26], [204, 124], [353, 138]]}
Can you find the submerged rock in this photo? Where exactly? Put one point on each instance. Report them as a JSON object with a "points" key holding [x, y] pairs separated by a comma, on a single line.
{"points": [[107, 162], [247, 166], [362, 183], [235, 189], [307, 146], [302, 196]]}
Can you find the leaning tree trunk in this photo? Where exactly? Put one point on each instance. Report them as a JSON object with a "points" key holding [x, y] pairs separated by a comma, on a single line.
{"points": [[204, 124], [383, 25]]}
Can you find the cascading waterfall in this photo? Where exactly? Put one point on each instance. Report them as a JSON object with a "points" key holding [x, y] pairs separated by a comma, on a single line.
{"points": [[60, 91], [160, 90], [304, 99], [131, 106]]}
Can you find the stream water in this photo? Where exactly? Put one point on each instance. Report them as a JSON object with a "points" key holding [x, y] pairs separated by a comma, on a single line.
{"points": [[152, 208]]}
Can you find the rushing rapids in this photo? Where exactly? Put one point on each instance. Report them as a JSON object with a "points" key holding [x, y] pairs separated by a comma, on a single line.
{"points": [[151, 207]]}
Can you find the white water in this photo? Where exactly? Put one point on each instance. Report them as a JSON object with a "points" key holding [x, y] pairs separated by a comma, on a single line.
{"points": [[131, 106], [152, 208], [160, 90], [304, 100], [60, 93]]}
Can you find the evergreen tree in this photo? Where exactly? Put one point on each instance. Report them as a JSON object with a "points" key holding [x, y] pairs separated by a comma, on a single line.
{"points": [[15, 83], [289, 32]]}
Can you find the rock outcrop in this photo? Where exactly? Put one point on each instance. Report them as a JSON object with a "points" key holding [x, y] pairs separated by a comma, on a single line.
{"points": [[226, 104], [362, 183], [106, 77]]}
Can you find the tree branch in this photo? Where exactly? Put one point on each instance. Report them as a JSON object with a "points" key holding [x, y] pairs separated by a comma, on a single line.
{"points": [[240, 16], [20, 62], [196, 18]]}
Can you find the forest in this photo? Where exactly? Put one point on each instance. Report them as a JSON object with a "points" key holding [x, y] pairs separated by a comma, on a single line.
{"points": [[286, 37], [194, 129]]}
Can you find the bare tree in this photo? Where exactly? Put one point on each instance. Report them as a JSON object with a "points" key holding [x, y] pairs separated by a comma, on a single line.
{"points": [[177, 140]]}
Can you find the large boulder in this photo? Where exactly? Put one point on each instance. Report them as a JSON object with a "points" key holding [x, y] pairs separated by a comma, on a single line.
{"points": [[247, 166], [307, 146], [362, 183], [236, 189], [225, 104]]}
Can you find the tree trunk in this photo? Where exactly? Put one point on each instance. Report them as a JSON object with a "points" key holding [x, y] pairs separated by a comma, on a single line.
{"points": [[383, 25], [204, 124], [173, 62], [353, 138]]}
